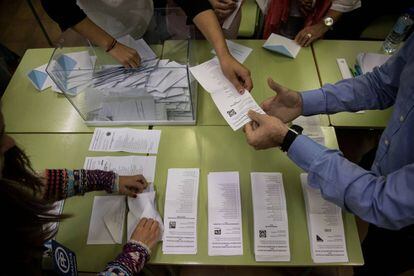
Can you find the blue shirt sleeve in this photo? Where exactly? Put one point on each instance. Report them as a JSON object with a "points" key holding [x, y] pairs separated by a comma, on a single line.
{"points": [[375, 90], [384, 201]]}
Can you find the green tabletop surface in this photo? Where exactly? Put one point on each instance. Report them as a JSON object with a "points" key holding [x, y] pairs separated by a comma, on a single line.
{"points": [[203, 147], [326, 53], [297, 74]]}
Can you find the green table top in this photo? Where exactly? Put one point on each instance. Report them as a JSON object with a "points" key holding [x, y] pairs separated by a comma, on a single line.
{"points": [[326, 53], [298, 74], [188, 147]]}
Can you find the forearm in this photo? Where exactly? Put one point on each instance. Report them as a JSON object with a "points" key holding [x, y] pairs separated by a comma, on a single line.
{"points": [[62, 183], [94, 33]]}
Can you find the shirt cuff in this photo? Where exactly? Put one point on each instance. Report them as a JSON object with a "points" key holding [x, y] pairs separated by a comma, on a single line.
{"points": [[313, 102]]}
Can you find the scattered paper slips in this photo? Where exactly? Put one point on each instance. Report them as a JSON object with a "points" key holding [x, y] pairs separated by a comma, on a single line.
{"points": [[232, 105], [107, 220], [180, 212], [39, 78], [229, 20], [225, 236], [124, 165], [282, 45], [238, 51], [311, 127], [271, 230], [325, 226], [125, 139], [368, 61]]}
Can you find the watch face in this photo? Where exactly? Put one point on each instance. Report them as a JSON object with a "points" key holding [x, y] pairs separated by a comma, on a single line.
{"points": [[328, 21]]}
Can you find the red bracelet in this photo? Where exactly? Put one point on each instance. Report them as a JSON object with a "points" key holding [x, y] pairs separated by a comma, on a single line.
{"points": [[113, 44]]}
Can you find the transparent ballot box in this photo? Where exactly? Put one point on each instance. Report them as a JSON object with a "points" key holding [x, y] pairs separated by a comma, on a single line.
{"points": [[160, 91]]}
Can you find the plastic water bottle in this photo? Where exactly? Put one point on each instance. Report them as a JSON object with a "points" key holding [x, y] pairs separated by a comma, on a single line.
{"points": [[398, 32]]}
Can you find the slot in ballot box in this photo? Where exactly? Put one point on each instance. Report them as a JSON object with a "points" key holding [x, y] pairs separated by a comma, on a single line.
{"points": [[161, 91]]}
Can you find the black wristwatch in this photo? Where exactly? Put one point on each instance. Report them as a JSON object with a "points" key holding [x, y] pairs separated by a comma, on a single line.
{"points": [[291, 135]]}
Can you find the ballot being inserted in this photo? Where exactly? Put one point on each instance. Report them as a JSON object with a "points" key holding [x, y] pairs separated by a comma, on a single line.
{"points": [[232, 105], [325, 226], [282, 45], [124, 165], [225, 235], [107, 220], [180, 212], [125, 139], [271, 230]]}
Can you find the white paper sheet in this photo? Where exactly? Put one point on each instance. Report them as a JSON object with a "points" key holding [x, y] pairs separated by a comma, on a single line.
{"points": [[271, 231], [124, 165], [311, 127], [143, 49], [325, 226], [125, 139], [368, 61], [238, 51], [229, 20], [107, 220], [232, 105], [180, 212], [225, 235], [282, 45]]}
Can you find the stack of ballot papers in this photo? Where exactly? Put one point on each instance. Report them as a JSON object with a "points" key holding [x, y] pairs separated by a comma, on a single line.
{"points": [[311, 127], [325, 226], [125, 139], [232, 105], [271, 233], [368, 61], [180, 212], [225, 235], [282, 45]]}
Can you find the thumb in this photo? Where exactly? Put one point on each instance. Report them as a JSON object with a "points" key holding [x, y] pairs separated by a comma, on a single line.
{"points": [[279, 89], [257, 117]]}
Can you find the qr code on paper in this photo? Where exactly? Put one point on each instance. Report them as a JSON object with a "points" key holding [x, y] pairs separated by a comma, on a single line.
{"points": [[172, 224], [231, 112], [262, 233]]}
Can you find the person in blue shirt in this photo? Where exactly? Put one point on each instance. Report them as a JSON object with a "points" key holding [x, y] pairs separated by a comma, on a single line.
{"points": [[383, 195]]}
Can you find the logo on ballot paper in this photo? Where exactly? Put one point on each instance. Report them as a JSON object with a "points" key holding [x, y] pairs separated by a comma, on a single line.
{"points": [[318, 238], [231, 112], [217, 231], [262, 233], [64, 260], [172, 224]]}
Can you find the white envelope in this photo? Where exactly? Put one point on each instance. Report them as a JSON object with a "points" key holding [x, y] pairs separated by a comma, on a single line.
{"points": [[282, 45]]}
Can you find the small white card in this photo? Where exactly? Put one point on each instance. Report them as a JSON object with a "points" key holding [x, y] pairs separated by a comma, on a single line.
{"points": [[238, 51], [282, 45]]}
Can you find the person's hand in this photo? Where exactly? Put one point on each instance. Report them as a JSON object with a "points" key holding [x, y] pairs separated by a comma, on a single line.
{"points": [[132, 185], [311, 33], [305, 6], [286, 105], [127, 56], [223, 8], [264, 131], [236, 73], [147, 232]]}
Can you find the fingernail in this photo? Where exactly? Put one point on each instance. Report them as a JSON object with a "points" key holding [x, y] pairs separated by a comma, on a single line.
{"points": [[241, 91]]}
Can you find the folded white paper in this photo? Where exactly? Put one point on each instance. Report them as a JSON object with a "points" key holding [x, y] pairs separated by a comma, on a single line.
{"points": [[180, 212], [107, 220], [325, 226], [39, 78], [125, 139], [225, 236], [238, 51], [282, 45], [271, 232], [142, 48], [230, 18]]}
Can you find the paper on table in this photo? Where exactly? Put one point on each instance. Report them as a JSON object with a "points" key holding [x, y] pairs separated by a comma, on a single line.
{"points": [[311, 127], [125, 139], [232, 105], [225, 236], [368, 61], [230, 18], [238, 51], [180, 212], [124, 165], [271, 233], [282, 45], [107, 220], [325, 226], [39, 78]]}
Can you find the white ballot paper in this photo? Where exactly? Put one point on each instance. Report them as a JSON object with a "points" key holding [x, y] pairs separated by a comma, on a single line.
{"points": [[225, 236], [232, 105], [282, 45], [311, 127], [180, 212], [124, 165], [125, 139], [238, 51], [271, 233], [107, 220], [230, 18], [325, 226]]}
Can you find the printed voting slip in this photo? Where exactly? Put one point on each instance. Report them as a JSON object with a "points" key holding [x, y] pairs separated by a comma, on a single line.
{"points": [[124, 165], [180, 212], [225, 236], [282, 45], [125, 139], [107, 220], [39, 78], [325, 226], [238, 51], [271, 232], [232, 105]]}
